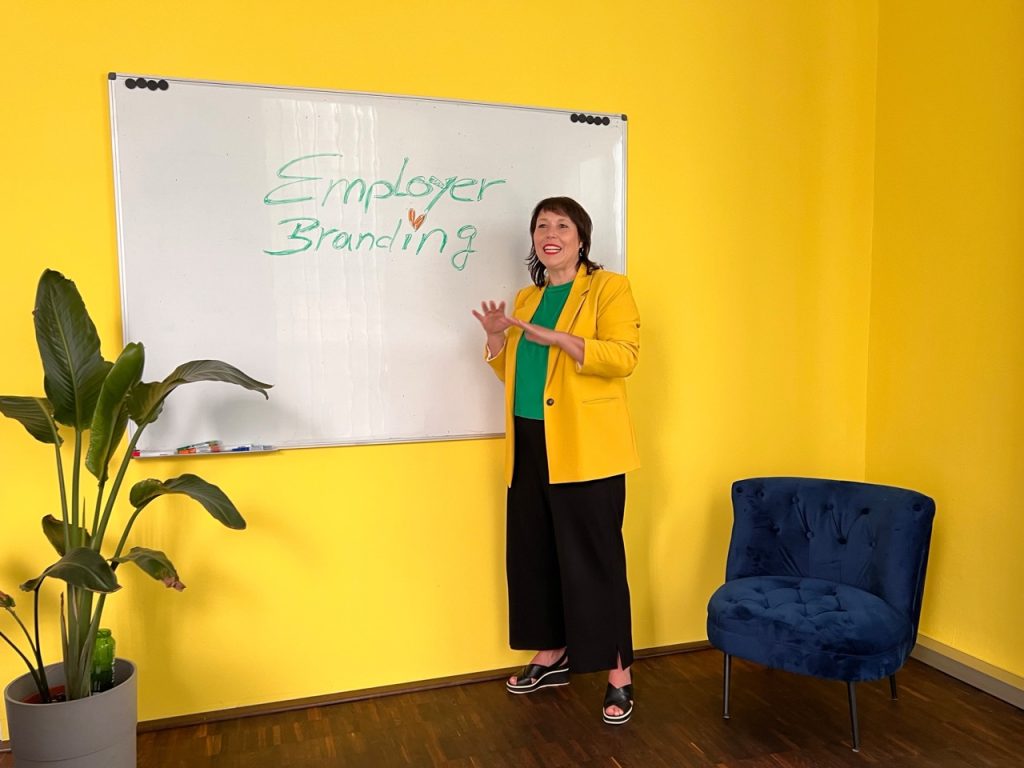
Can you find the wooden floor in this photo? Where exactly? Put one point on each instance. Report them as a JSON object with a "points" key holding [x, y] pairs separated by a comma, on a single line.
{"points": [[777, 720]]}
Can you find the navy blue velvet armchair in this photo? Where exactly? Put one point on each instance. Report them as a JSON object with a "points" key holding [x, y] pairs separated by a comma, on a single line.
{"points": [[823, 578]]}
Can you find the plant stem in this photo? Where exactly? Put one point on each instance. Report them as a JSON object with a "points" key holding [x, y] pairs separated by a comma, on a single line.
{"points": [[44, 691], [87, 625], [25, 630], [124, 534], [63, 631], [76, 479], [70, 638], [37, 648], [81, 638], [96, 511], [101, 529], [94, 625], [60, 480]]}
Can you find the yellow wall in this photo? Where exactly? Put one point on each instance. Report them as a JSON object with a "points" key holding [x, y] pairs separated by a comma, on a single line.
{"points": [[751, 146], [946, 393]]}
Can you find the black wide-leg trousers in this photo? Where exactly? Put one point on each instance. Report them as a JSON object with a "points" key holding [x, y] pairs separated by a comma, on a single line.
{"points": [[565, 561]]}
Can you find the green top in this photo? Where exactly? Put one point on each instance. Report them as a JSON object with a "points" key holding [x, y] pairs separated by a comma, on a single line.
{"points": [[532, 358]]}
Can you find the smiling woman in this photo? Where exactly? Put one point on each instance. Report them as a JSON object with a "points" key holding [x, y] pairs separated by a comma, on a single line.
{"points": [[556, 244], [562, 234], [564, 353]]}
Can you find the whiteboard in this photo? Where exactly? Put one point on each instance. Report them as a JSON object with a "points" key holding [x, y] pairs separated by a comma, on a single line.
{"points": [[333, 244]]}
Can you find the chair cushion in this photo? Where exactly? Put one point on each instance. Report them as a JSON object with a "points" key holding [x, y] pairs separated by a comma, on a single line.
{"points": [[809, 626]]}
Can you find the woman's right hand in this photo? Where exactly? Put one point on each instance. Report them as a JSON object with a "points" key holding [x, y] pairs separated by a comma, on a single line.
{"points": [[494, 322], [493, 318]]}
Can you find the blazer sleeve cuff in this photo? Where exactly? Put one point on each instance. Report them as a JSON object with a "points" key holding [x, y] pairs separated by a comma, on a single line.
{"points": [[488, 357]]}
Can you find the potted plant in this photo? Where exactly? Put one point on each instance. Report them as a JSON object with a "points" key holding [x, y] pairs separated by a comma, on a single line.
{"points": [[95, 399]]}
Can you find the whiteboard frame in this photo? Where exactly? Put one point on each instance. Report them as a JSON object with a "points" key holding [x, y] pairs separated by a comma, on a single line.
{"points": [[116, 78]]}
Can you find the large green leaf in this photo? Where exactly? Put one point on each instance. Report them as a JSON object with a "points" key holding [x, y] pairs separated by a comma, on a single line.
{"points": [[110, 419], [70, 350], [54, 530], [147, 399], [81, 567], [35, 414], [156, 564], [210, 496]]}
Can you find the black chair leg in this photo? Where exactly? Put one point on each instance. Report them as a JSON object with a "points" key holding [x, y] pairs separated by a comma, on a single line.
{"points": [[892, 686], [853, 716], [725, 691]]}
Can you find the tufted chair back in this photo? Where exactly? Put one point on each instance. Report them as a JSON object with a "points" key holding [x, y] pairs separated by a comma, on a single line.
{"points": [[873, 537]]}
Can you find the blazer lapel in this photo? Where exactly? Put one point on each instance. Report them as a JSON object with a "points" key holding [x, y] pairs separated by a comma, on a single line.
{"points": [[566, 320], [525, 312], [573, 304]]}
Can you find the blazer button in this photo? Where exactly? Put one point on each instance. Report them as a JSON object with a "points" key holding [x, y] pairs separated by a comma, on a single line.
{"points": [[551, 401]]}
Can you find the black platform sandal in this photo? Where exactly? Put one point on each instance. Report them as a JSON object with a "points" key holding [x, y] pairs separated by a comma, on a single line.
{"points": [[621, 698], [534, 677]]}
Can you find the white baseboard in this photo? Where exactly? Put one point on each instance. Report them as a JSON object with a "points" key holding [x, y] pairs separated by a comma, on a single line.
{"points": [[975, 672]]}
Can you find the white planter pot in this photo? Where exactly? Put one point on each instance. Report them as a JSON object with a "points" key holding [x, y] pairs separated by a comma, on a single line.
{"points": [[96, 732]]}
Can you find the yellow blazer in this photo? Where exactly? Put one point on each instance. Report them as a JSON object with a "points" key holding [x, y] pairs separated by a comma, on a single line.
{"points": [[587, 427]]}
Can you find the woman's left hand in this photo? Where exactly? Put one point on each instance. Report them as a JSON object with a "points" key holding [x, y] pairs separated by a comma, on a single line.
{"points": [[538, 334], [547, 337]]}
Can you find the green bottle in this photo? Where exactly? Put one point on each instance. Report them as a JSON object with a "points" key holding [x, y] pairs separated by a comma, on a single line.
{"points": [[103, 662]]}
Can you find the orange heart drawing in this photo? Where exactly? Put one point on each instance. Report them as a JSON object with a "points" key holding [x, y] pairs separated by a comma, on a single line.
{"points": [[416, 221]]}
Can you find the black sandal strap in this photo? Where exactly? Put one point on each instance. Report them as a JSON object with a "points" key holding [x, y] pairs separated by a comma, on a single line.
{"points": [[619, 697], [535, 671], [530, 673]]}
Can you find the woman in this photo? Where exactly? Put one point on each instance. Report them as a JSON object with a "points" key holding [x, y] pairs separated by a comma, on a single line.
{"points": [[563, 353]]}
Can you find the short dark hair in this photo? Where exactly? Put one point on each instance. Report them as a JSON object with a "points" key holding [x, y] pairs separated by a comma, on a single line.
{"points": [[563, 206]]}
